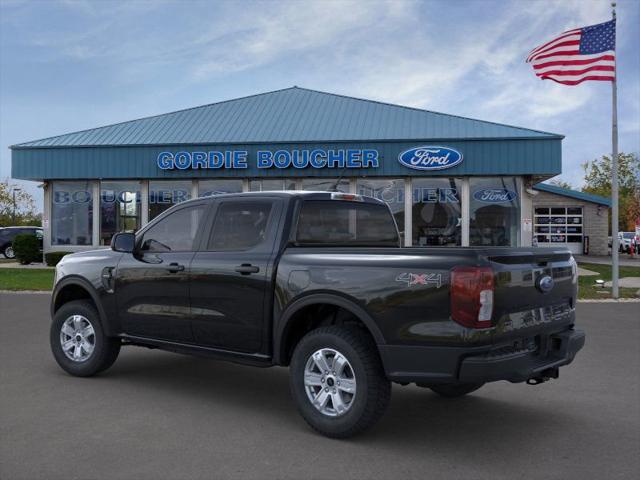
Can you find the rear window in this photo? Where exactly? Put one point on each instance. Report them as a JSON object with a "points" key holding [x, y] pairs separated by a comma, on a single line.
{"points": [[331, 222]]}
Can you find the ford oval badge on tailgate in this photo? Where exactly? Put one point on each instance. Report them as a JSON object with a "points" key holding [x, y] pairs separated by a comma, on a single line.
{"points": [[544, 283], [430, 158]]}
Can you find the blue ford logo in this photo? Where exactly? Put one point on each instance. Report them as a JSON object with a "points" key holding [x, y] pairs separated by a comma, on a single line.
{"points": [[430, 158], [495, 195], [544, 283]]}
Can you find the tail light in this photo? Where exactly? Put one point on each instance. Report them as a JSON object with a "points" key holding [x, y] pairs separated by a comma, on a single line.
{"points": [[472, 296]]}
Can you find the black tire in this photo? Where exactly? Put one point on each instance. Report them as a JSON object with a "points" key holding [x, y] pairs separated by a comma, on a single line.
{"points": [[105, 351], [373, 390], [453, 390]]}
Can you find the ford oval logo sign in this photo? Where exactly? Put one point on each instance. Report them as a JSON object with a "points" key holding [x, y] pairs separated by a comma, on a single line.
{"points": [[544, 283], [495, 195], [430, 158]]}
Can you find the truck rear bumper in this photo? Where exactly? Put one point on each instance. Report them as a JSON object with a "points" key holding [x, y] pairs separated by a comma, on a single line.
{"points": [[431, 364]]}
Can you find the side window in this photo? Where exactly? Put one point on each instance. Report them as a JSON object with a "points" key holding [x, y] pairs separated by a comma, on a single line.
{"points": [[174, 233], [240, 225]]}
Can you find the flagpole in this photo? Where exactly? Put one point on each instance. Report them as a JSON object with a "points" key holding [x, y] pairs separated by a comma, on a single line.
{"points": [[614, 176]]}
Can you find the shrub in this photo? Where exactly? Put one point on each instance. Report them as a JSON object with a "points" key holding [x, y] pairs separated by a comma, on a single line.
{"points": [[27, 249], [52, 258]]}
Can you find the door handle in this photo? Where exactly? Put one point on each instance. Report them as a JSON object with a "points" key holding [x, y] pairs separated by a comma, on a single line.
{"points": [[247, 269], [175, 267]]}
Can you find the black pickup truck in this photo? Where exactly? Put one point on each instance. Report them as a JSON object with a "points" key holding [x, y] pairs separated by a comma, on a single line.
{"points": [[318, 281]]}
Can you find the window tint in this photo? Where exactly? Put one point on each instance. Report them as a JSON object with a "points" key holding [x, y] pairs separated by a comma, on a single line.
{"points": [[325, 222], [174, 233], [240, 225]]}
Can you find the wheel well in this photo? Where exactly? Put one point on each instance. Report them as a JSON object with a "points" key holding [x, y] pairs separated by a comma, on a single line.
{"points": [[70, 293], [311, 317]]}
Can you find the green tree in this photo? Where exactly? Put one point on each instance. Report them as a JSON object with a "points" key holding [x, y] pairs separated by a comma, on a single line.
{"points": [[597, 179], [25, 207]]}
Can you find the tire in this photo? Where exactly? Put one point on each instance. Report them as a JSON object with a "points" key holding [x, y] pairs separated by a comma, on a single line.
{"points": [[362, 370], [454, 390], [76, 317], [8, 252]]}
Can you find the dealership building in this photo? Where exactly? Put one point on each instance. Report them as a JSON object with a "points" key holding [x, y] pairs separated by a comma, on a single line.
{"points": [[448, 180]]}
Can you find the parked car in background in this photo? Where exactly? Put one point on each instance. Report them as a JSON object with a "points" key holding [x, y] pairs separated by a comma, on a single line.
{"points": [[7, 234], [625, 240]]}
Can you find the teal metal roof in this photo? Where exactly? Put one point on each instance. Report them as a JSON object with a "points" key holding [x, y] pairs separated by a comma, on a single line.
{"points": [[289, 116], [565, 192]]}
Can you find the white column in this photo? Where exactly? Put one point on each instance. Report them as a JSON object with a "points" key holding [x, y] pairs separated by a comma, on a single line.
{"points": [[245, 184], [352, 186], [526, 213], [144, 202], [46, 216], [194, 188], [466, 217], [408, 213], [95, 187]]}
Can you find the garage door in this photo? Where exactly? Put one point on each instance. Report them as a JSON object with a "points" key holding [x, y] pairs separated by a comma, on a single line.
{"points": [[559, 226]]}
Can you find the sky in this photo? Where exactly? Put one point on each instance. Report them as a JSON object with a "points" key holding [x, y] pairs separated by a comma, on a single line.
{"points": [[72, 65]]}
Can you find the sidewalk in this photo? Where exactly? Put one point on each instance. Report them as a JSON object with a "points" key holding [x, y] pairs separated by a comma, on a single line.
{"points": [[624, 260], [32, 266]]}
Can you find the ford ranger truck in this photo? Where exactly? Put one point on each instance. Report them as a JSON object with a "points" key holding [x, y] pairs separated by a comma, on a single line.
{"points": [[318, 282]]}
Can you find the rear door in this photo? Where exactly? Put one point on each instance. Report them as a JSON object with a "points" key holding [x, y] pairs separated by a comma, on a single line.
{"points": [[152, 286], [232, 272]]}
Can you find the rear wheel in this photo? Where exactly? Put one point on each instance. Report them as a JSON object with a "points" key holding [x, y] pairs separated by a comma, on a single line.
{"points": [[454, 390], [8, 252], [338, 382], [78, 341]]}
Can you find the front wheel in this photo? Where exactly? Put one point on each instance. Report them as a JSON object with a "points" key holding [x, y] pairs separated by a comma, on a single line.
{"points": [[8, 252], [454, 390], [337, 381], [78, 341]]}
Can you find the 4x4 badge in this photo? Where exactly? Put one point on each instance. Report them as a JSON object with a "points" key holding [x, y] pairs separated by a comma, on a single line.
{"points": [[412, 279]]}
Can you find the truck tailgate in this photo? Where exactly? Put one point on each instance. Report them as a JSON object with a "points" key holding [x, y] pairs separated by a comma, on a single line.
{"points": [[535, 291]]}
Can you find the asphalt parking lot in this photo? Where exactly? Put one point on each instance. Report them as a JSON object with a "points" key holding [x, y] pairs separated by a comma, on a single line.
{"points": [[159, 415]]}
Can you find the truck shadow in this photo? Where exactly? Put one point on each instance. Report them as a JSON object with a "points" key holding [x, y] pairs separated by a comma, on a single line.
{"points": [[417, 419]]}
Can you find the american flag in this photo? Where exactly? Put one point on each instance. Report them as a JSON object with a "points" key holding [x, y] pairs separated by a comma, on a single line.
{"points": [[587, 53]]}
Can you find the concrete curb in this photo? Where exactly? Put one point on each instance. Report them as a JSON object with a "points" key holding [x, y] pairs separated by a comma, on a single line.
{"points": [[26, 292], [609, 300]]}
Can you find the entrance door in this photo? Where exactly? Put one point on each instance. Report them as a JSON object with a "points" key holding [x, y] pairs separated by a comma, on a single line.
{"points": [[152, 285], [231, 275]]}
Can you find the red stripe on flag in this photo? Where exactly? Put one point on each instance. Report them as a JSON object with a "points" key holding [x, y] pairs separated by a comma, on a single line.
{"points": [[574, 62], [576, 82], [600, 68], [569, 51], [565, 34], [557, 45]]}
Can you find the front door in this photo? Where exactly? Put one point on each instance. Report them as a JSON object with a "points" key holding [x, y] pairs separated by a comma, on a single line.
{"points": [[231, 274], [152, 285]]}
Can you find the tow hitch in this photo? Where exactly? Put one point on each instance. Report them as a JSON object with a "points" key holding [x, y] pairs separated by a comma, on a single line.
{"points": [[544, 376]]}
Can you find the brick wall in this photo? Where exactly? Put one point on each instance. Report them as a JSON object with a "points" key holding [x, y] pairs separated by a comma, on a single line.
{"points": [[594, 226]]}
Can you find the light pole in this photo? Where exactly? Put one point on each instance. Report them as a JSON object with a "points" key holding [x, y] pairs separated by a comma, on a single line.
{"points": [[14, 203]]}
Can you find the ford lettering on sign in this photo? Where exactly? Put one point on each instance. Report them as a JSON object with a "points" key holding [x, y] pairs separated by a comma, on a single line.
{"points": [[495, 195], [430, 158]]}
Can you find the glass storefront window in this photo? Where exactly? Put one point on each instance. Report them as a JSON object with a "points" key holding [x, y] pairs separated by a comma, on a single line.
{"points": [[72, 213], [320, 184], [494, 210], [390, 191], [272, 185], [119, 208], [436, 212], [166, 193], [206, 188]]}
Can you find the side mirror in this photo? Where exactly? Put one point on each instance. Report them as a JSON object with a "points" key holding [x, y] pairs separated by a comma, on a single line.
{"points": [[124, 242]]}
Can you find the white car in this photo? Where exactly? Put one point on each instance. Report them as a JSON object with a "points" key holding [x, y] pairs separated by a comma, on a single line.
{"points": [[625, 239]]}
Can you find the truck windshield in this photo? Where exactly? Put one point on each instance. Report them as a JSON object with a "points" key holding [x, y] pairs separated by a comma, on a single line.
{"points": [[340, 223]]}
